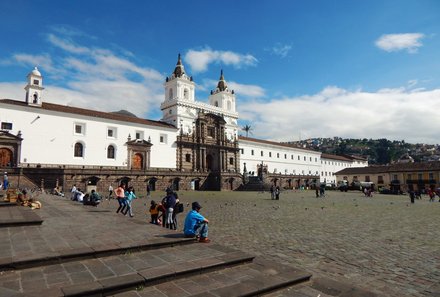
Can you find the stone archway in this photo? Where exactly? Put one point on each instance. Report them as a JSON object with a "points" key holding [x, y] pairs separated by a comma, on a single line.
{"points": [[6, 157]]}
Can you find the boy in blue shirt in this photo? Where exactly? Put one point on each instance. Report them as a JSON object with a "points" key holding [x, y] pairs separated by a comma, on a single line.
{"points": [[195, 224]]}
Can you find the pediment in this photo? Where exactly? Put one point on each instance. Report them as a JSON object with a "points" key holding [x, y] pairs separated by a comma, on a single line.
{"points": [[5, 135]]}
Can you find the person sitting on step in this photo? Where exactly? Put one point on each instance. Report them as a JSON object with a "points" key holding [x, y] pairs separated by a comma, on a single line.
{"points": [[196, 225]]}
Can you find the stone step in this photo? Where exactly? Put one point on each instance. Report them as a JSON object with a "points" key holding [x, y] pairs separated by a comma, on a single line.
{"points": [[18, 216], [251, 279], [108, 275], [69, 255]]}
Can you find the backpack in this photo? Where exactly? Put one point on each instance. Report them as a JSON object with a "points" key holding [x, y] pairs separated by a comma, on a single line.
{"points": [[179, 207]]}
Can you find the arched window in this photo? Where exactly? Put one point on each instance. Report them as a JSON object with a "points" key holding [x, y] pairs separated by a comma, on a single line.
{"points": [[186, 94], [170, 94], [216, 103], [79, 150], [110, 152], [35, 98]]}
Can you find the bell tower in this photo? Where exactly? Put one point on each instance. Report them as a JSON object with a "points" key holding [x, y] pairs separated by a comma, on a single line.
{"points": [[223, 97], [179, 97], [34, 88]]}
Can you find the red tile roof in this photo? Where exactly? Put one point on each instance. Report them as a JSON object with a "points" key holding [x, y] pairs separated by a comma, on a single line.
{"points": [[89, 113], [274, 143]]}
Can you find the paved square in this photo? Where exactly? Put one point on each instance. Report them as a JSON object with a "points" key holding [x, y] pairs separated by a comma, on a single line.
{"points": [[383, 244]]}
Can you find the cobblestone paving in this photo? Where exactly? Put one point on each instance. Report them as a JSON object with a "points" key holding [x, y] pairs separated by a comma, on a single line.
{"points": [[383, 244]]}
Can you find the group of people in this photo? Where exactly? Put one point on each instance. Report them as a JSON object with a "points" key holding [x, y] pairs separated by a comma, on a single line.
{"points": [[125, 196], [92, 199], [275, 192], [320, 191], [162, 213], [165, 212]]}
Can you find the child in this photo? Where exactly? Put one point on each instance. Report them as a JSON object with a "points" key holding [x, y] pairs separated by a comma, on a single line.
{"points": [[154, 212]]}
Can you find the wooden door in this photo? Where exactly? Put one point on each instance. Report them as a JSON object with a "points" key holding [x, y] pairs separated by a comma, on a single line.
{"points": [[5, 157], [137, 162]]}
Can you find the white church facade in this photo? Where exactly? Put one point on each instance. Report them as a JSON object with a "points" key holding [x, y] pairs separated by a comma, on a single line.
{"points": [[192, 136]]}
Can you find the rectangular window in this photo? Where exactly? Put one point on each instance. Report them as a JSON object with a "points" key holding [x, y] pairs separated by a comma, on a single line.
{"points": [[211, 132], [380, 179], [242, 151], [36, 82], [367, 178], [298, 158], [270, 154], [252, 152], [291, 157], [420, 176], [262, 154], [395, 177], [139, 135], [163, 138], [111, 132], [285, 156], [6, 126], [80, 129], [187, 158], [278, 155]]}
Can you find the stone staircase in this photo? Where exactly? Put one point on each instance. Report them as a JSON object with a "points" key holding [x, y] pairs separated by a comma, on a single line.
{"points": [[173, 267], [254, 184]]}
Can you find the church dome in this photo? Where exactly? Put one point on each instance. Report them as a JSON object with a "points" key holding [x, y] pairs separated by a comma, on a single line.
{"points": [[35, 72]]}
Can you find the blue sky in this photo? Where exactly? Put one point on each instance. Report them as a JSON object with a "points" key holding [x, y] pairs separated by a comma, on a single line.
{"points": [[300, 69]]}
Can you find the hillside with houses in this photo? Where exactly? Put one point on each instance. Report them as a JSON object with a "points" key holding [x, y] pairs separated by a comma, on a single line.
{"points": [[378, 151]]}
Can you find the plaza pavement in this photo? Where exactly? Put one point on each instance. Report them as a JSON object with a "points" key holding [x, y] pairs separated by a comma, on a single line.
{"points": [[382, 244]]}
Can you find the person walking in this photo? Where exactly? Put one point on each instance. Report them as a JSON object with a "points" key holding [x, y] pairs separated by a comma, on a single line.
{"points": [[170, 204], [129, 196], [120, 196], [272, 192], [110, 192], [148, 191]]}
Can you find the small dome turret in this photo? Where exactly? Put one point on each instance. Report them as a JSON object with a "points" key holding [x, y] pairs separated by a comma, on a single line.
{"points": [[222, 83], [35, 72], [179, 70]]}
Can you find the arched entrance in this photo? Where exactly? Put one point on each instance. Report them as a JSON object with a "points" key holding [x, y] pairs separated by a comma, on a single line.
{"points": [[196, 184], [137, 161], [152, 183], [176, 182], [209, 162], [5, 157]]}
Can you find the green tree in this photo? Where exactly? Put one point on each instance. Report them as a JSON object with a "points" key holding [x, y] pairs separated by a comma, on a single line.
{"points": [[248, 129]]}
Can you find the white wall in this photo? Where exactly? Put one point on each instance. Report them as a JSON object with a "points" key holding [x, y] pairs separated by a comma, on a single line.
{"points": [[309, 162], [49, 138]]}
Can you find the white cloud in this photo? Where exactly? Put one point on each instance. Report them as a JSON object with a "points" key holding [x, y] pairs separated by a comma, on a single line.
{"points": [[199, 60], [247, 90], [281, 50], [67, 45], [396, 42], [394, 114], [94, 78], [241, 90]]}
